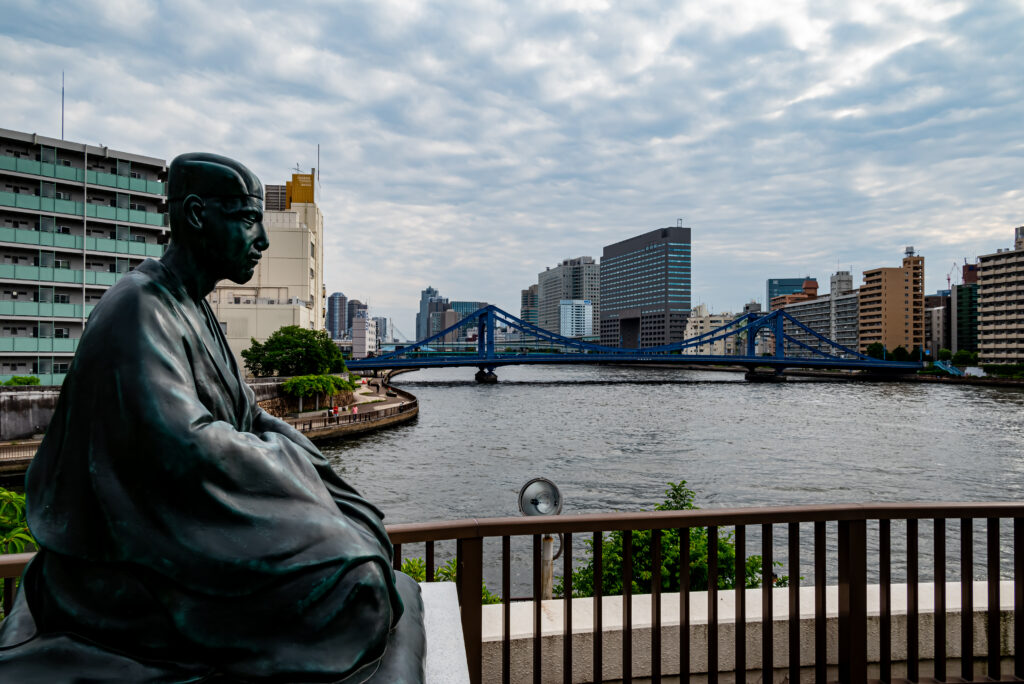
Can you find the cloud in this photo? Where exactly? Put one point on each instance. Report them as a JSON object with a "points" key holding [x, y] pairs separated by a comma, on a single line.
{"points": [[468, 145]]}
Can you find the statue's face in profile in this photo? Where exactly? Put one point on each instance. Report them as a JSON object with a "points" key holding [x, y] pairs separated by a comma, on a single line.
{"points": [[234, 236]]}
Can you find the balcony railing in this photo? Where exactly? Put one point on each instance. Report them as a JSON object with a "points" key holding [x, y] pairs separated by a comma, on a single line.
{"points": [[93, 244], [851, 558], [846, 551], [75, 208], [76, 175]]}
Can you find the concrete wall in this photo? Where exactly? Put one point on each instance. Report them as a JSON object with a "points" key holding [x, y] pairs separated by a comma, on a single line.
{"points": [[552, 626], [26, 411]]}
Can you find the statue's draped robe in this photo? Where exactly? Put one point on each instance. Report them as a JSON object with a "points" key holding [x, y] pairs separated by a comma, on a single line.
{"points": [[183, 526]]}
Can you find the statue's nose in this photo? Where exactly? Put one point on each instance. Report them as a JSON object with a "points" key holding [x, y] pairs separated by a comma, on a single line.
{"points": [[261, 240]]}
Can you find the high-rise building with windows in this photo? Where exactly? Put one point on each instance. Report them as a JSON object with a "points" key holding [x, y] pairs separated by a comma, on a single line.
{"points": [[1001, 304], [892, 305], [528, 304], [337, 315], [576, 318], [423, 316], [287, 287], [834, 316], [352, 309], [74, 219], [776, 287], [645, 289], [578, 278]]}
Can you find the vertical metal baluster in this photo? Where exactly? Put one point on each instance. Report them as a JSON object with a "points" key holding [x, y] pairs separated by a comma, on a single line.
{"points": [[912, 602], [1018, 597], [598, 612], [767, 613], [939, 532], [794, 602], [712, 604], [567, 608], [684, 605], [655, 606], [993, 649], [740, 571], [967, 599], [853, 646], [506, 604], [627, 607], [537, 598], [885, 600], [430, 561], [469, 570], [820, 627], [396, 558]]}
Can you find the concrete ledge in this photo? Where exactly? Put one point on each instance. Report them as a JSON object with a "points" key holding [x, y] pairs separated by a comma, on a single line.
{"points": [[521, 620], [446, 650]]}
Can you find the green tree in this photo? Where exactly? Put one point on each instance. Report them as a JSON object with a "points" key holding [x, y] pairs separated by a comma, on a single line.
{"points": [[319, 386], [962, 358], [416, 568], [900, 354], [292, 351], [945, 355], [975, 358], [875, 350], [14, 533], [678, 497], [19, 380]]}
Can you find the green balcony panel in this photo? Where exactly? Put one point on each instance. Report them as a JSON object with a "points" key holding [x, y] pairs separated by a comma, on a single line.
{"points": [[69, 173], [137, 216], [8, 199], [67, 310], [8, 163], [44, 239], [155, 251], [90, 210], [46, 204], [156, 219], [64, 344], [48, 170], [105, 212], [106, 245], [68, 207], [66, 275], [68, 241], [31, 344], [137, 185], [122, 214], [88, 310], [8, 234], [6, 270], [155, 187], [26, 202], [103, 278], [26, 272], [107, 179], [138, 248], [29, 166], [124, 182], [6, 344]]}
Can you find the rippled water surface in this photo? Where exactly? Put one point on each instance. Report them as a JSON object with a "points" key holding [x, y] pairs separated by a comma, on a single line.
{"points": [[612, 437]]}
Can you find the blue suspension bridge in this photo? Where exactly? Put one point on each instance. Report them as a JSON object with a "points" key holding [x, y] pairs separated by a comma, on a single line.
{"points": [[494, 346]]}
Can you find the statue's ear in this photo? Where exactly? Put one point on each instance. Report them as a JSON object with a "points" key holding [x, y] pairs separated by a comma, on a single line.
{"points": [[192, 209]]}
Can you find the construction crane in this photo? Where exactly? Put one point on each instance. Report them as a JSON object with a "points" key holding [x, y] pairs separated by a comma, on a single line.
{"points": [[949, 275]]}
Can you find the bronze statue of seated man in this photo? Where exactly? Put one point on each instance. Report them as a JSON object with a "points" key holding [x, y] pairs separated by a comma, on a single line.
{"points": [[185, 534]]}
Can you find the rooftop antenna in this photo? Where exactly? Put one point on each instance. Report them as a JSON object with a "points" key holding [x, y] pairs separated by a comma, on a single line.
{"points": [[297, 169], [318, 164], [679, 223], [62, 105]]}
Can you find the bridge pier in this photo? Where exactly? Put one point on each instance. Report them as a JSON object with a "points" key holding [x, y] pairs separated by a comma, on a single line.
{"points": [[753, 375], [486, 376]]}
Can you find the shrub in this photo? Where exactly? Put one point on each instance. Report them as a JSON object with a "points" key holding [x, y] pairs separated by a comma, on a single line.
{"points": [[21, 380], [962, 358], [417, 569], [945, 355]]}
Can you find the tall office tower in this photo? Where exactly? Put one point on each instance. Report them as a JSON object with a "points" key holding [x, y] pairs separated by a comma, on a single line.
{"points": [[353, 307], [963, 311], [834, 315], [645, 289], [1001, 304], [578, 278], [337, 315], [892, 305], [436, 307], [576, 318], [464, 308], [423, 317], [287, 287], [74, 219], [809, 291], [776, 287], [528, 304]]}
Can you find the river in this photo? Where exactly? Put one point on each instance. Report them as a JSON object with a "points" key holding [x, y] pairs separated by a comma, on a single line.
{"points": [[612, 437]]}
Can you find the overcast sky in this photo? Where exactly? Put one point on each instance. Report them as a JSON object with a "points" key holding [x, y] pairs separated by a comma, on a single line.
{"points": [[467, 145]]}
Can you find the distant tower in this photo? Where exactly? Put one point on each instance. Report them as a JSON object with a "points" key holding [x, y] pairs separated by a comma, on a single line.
{"points": [[337, 313]]}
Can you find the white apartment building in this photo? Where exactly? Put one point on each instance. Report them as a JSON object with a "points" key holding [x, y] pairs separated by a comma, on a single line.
{"points": [[702, 321], [364, 336], [576, 318], [287, 287]]}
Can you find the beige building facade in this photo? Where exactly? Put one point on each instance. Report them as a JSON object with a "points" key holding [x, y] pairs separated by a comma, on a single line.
{"points": [[287, 287], [701, 321], [1001, 304], [891, 305]]}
